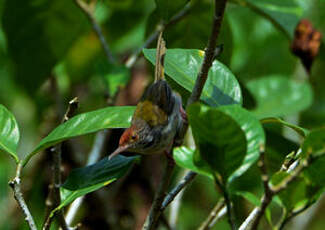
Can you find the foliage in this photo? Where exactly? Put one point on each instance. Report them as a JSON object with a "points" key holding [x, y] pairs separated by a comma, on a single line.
{"points": [[50, 53]]}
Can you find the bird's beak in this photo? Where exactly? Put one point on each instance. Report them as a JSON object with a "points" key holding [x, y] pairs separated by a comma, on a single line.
{"points": [[119, 150]]}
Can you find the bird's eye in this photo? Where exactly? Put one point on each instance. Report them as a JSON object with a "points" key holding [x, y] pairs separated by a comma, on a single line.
{"points": [[134, 136]]}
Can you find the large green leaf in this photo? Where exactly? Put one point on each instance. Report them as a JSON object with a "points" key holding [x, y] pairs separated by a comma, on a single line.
{"points": [[90, 178], [110, 117], [284, 14], [219, 138], [279, 96], [254, 135], [182, 65], [248, 124], [9, 132], [39, 33]]}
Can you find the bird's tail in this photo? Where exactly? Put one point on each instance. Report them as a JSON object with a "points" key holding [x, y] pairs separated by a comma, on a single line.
{"points": [[160, 57]]}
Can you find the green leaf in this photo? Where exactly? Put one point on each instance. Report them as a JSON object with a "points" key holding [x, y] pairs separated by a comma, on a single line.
{"points": [[182, 65], [168, 9], [9, 132], [116, 77], [39, 33], [110, 117], [248, 124], [184, 157], [219, 138], [302, 131], [90, 178], [279, 96], [254, 134], [284, 14]]}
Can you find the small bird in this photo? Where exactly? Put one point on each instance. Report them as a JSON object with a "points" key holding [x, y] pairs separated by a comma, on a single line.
{"points": [[158, 117]]}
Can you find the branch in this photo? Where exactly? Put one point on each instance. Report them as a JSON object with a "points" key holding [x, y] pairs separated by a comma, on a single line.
{"points": [[293, 214], [227, 202], [88, 11], [173, 193], [155, 210], [54, 199], [154, 35], [209, 52], [197, 90], [215, 211], [15, 185], [254, 217]]}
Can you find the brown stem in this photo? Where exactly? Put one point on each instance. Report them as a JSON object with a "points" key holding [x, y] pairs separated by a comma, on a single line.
{"points": [[155, 210], [87, 9], [255, 216], [220, 6], [197, 90], [54, 199], [15, 185]]}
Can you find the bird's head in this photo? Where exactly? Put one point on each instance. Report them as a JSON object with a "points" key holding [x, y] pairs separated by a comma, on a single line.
{"points": [[128, 141]]}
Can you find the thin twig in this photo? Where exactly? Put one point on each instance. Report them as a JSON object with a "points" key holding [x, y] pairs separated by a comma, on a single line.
{"points": [[15, 185], [268, 193], [54, 198], [293, 214], [173, 193], [227, 202], [155, 210], [154, 35], [88, 11], [209, 52], [217, 208]]}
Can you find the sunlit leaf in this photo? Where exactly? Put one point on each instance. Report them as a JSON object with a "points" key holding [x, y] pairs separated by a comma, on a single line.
{"points": [[110, 117], [279, 96], [184, 157], [182, 65], [9, 132], [90, 178], [254, 135]]}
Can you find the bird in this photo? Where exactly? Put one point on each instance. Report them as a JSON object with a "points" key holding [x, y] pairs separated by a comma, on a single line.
{"points": [[158, 117]]}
